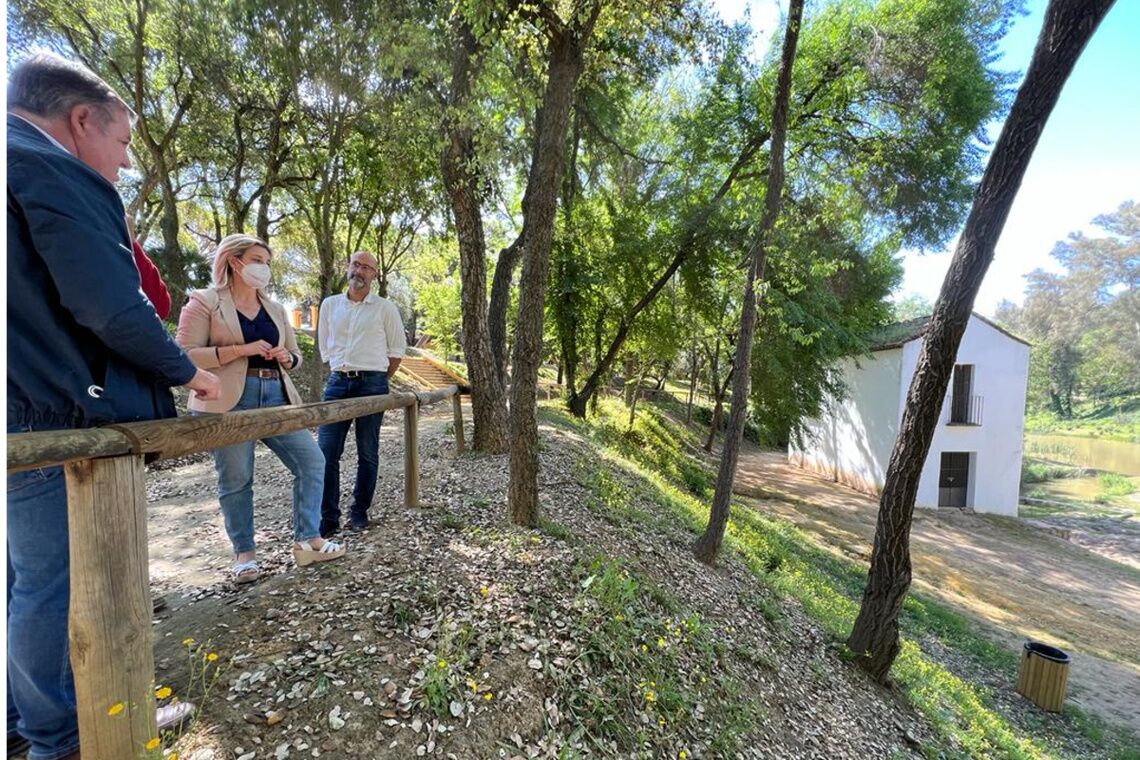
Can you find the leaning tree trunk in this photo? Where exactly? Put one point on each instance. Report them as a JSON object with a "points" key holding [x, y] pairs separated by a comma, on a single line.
{"points": [[1068, 26], [462, 180], [567, 46], [708, 545]]}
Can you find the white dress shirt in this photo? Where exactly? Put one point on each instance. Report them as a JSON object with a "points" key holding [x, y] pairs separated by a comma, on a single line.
{"points": [[360, 335]]}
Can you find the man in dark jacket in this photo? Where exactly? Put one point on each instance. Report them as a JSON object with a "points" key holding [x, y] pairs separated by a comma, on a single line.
{"points": [[85, 348]]}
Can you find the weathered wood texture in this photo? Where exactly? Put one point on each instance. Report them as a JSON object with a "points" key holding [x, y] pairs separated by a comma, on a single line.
{"points": [[411, 457], [110, 614], [1042, 680], [27, 451], [165, 439], [457, 413]]}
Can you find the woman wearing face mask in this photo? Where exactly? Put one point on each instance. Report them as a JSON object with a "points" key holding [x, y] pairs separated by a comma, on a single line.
{"points": [[236, 330]]}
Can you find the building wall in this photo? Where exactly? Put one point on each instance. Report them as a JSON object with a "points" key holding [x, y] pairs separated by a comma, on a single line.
{"points": [[1001, 372], [852, 441]]}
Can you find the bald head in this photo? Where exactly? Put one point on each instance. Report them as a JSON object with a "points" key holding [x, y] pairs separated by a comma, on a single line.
{"points": [[362, 271]]}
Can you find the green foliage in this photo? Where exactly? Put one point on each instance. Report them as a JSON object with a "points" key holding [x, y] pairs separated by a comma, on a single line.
{"points": [[967, 718], [1036, 472], [1112, 484], [645, 657], [1082, 321]]}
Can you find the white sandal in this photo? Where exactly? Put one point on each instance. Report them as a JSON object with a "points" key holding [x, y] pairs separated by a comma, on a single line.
{"points": [[246, 572], [307, 555]]}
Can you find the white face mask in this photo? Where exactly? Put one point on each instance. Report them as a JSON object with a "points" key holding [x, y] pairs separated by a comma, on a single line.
{"points": [[255, 275]]}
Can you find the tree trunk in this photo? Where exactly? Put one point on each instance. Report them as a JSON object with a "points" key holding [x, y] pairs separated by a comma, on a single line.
{"points": [[1067, 28], [274, 158], [462, 180], [692, 383], [567, 46], [636, 396], [708, 545], [175, 267], [501, 301], [686, 245], [718, 410]]}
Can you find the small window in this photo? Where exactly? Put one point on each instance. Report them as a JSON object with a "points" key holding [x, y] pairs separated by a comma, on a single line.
{"points": [[965, 407]]}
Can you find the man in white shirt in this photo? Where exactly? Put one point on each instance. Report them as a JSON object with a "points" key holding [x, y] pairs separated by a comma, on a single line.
{"points": [[361, 337]]}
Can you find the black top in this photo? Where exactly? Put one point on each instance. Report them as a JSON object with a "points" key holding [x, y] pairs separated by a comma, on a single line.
{"points": [[263, 328]]}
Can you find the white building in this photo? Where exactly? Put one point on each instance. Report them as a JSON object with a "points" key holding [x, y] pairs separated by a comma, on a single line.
{"points": [[975, 456]]}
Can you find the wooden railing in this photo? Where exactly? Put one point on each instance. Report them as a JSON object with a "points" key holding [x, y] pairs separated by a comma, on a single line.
{"points": [[109, 625]]}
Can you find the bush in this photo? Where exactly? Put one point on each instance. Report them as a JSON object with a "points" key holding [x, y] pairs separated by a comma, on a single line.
{"points": [[1112, 484], [1033, 471]]}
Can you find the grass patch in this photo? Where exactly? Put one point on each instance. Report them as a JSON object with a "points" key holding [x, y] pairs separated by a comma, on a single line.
{"points": [[1036, 471], [967, 719], [651, 671], [1112, 484]]}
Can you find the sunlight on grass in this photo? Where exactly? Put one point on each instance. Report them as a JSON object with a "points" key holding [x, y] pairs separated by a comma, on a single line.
{"points": [[653, 457]]}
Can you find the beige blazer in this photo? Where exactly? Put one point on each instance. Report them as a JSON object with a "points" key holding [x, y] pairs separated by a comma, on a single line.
{"points": [[210, 320]]}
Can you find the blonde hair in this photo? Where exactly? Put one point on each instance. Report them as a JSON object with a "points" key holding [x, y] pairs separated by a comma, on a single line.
{"points": [[233, 247]]}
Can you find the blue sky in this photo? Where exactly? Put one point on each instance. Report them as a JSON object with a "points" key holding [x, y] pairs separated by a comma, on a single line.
{"points": [[1086, 163]]}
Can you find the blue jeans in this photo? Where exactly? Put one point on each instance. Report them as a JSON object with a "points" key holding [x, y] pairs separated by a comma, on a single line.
{"points": [[41, 692], [296, 450], [331, 439]]}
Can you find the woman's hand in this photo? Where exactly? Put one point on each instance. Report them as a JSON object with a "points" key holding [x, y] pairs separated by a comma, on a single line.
{"points": [[282, 355], [256, 347]]}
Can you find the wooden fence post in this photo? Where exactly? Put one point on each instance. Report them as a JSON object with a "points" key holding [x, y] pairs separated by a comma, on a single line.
{"points": [[109, 624], [457, 413], [411, 455]]}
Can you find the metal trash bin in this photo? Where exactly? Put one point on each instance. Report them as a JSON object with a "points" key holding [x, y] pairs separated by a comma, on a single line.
{"points": [[1044, 675]]}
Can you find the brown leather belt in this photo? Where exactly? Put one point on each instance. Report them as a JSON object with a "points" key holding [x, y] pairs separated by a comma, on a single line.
{"points": [[264, 374]]}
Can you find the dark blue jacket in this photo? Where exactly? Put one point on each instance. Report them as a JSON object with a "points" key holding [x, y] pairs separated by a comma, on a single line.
{"points": [[85, 347]]}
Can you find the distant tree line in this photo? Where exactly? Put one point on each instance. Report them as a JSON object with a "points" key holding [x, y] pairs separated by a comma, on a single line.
{"points": [[1084, 321]]}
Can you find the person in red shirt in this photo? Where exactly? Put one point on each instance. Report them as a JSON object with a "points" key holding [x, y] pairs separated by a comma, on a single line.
{"points": [[149, 277]]}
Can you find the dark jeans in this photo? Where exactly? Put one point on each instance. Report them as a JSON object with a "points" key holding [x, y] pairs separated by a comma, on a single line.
{"points": [[41, 693], [331, 440]]}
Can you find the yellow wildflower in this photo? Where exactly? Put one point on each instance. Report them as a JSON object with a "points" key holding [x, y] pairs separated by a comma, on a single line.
{"points": [[474, 686], [162, 692], [487, 697], [682, 755], [187, 642], [116, 708], [152, 743], [441, 664], [212, 656], [650, 696], [484, 591], [660, 642], [644, 648]]}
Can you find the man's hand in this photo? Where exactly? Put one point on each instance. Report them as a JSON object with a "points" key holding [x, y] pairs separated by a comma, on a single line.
{"points": [[205, 385]]}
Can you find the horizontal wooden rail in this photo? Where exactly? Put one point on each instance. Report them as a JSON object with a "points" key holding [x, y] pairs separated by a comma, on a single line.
{"points": [[167, 439], [109, 623]]}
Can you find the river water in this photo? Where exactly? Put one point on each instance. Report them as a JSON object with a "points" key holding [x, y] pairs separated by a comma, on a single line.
{"points": [[1112, 456]]}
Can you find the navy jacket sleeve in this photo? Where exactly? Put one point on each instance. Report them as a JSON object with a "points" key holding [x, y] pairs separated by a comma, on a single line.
{"points": [[88, 255]]}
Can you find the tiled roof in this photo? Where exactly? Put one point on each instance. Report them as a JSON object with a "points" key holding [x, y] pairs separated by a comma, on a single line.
{"points": [[896, 334]]}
